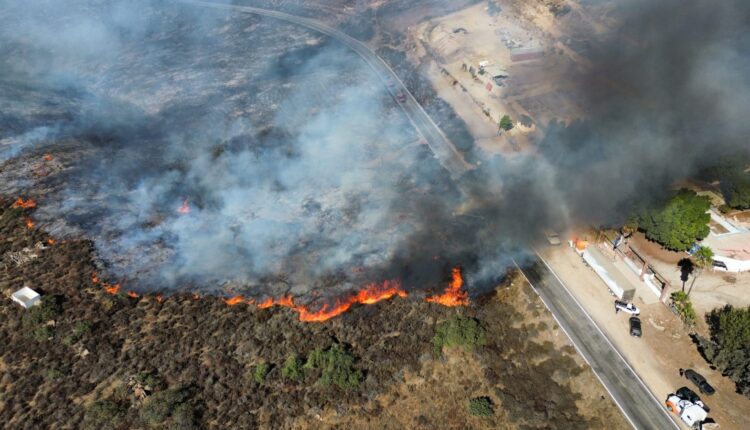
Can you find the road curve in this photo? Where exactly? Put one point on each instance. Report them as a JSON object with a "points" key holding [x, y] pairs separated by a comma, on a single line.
{"points": [[638, 404], [439, 144]]}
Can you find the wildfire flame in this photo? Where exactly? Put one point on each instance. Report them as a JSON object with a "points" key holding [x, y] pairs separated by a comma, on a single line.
{"points": [[109, 288], [232, 301], [132, 294], [453, 294], [29, 223], [371, 294], [184, 208], [51, 241], [24, 204], [47, 157], [159, 298]]}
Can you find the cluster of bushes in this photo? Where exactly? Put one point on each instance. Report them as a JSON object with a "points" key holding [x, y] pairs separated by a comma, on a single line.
{"points": [[166, 409], [684, 307], [37, 317], [729, 346], [459, 331], [481, 407], [678, 224], [333, 366]]}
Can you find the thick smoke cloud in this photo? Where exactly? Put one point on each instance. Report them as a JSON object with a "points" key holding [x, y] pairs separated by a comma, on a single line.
{"points": [[300, 172]]}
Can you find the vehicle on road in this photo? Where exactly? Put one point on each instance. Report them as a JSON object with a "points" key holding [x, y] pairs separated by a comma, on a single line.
{"points": [[701, 382], [690, 413], [689, 395], [400, 97], [635, 327], [552, 237], [626, 307]]}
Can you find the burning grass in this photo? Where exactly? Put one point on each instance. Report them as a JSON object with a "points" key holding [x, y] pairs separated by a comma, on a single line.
{"points": [[94, 342]]}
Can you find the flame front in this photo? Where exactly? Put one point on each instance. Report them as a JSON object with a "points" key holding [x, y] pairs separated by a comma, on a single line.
{"points": [[109, 288], [453, 294], [29, 223], [24, 204], [369, 295]]}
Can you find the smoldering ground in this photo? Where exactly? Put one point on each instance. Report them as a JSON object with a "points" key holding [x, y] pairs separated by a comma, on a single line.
{"points": [[299, 170]]}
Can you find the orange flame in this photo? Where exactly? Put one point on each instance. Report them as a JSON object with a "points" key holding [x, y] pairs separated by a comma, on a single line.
{"points": [[47, 157], [453, 295], [132, 294], [51, 241], [184, 208], [29, 223], [196, 296], [112, 289], [109, 288], [233, 301], [24, 204], [159, 298]]}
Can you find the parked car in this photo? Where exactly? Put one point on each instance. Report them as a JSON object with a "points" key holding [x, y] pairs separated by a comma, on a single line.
{"points": [[698, 379], [552, 237], [626, 307], [400, 97], [689, 395], [635, 327]]}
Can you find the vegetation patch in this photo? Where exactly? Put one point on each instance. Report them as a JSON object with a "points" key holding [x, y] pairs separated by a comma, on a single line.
{"points": [[684, 307], [459, 331], [337, 366], [681, 222], [729, 346], [292, 369], [481, 407]]}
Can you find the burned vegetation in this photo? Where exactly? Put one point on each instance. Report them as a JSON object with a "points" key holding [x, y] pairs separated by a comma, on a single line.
{"points": [[85, 358]]}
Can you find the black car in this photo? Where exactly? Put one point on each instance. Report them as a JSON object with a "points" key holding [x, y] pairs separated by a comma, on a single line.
{"points": [[635, 327], [689, 395], [698, 379]]}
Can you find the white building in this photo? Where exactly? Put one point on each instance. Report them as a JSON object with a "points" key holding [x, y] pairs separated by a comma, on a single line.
{"points": [[26, 297]]}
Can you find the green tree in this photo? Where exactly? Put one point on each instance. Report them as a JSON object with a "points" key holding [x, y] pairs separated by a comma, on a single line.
{"points": [[680, 223], [104, 415], [736, 190], [481, 407], [163, 405], [459, 331], [506, 123], [729, 346], [260, 372], [337, 366], [704, 258], [292, 368]]}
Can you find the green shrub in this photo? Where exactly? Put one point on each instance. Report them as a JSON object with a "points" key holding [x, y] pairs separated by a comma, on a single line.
{"points": [[260, 372], [162, 405], [292, 369], [47, 309], [506, 123], [104, 415], [684, 307], [43, 333], [54, 374], [481, 407], [459, 331], [79, 330], [337, 366]]}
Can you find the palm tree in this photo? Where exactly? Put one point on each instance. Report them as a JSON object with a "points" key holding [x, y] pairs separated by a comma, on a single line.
{"points": [[704, 258]]}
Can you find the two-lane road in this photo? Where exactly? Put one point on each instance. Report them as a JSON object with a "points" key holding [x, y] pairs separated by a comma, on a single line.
{"points": [[641, 408], [439, 144]]}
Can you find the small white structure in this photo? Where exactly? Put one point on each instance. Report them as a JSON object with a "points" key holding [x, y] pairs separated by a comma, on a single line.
{"points": [[26, 297]]}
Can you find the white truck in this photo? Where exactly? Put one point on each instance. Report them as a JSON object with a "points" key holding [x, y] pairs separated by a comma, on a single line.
{"points": [[689, 412]]}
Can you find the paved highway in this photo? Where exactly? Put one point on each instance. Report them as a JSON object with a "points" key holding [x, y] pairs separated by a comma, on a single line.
{"points": [[441, 147], [640, 406]]}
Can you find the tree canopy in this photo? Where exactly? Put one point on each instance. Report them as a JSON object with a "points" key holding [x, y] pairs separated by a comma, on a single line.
{"points": [[681, 222], [729, 347], [736, 190], [506, 123]]}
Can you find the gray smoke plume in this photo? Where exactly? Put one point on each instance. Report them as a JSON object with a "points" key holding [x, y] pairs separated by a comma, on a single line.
{"points": [[300, 172]]}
